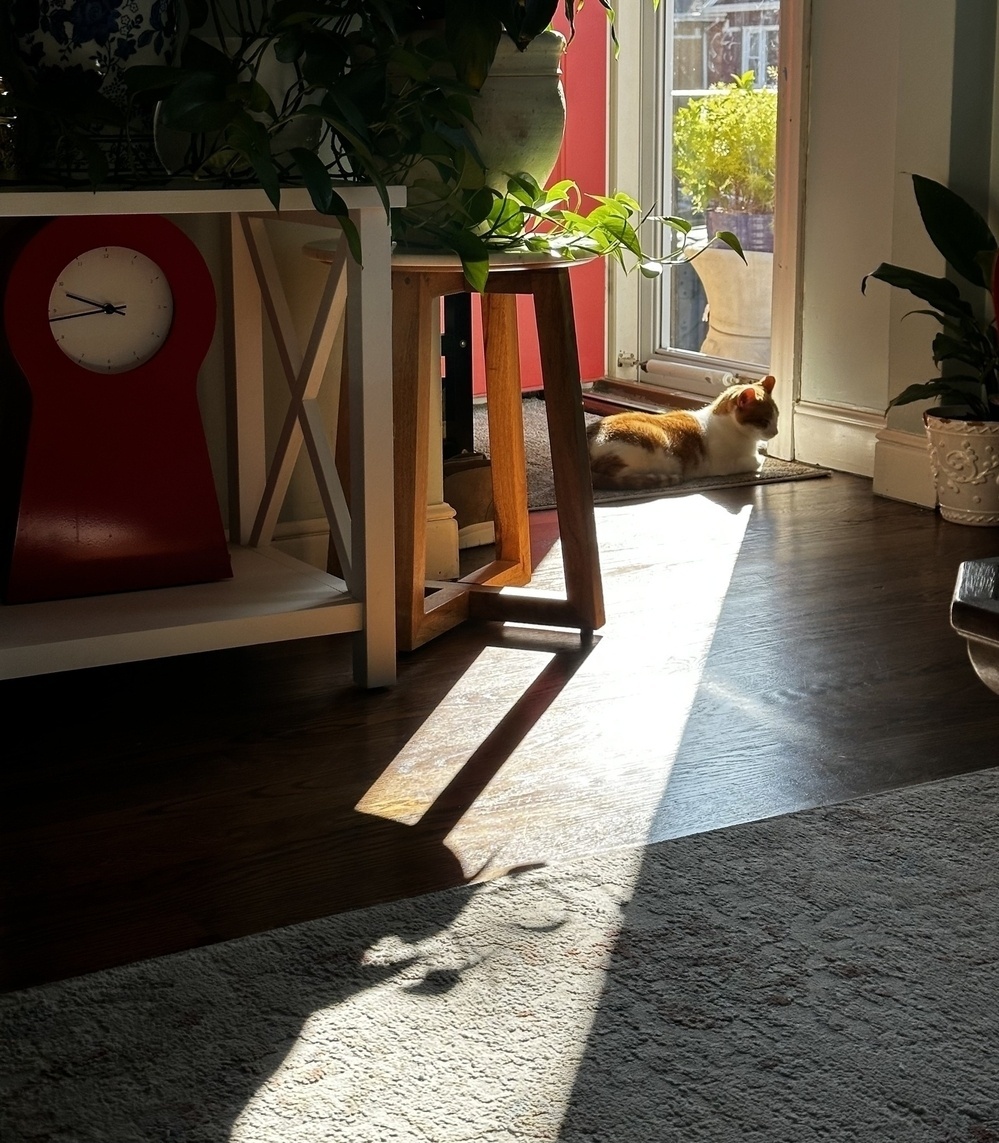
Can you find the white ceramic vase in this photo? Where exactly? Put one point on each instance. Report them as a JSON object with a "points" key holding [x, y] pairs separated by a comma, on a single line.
{"points": [[520, 112], [965, 457]]}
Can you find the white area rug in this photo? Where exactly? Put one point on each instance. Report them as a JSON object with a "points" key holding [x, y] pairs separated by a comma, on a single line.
{"points": [[829, 975]]}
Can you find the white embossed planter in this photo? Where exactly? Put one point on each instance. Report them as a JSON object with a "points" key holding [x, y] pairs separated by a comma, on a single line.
{"points": [[965, 456]]}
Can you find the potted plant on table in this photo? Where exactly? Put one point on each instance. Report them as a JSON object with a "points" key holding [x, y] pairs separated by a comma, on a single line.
{"points": [[384, 93], [397, 90], [963, 430]]}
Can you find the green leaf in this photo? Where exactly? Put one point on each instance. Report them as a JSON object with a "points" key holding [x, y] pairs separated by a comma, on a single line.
{"points": [[289, 46], [197, 55], [148, 77], [939, 292], [409, 63], [525, 188], [316, 178], [478, 207], [253, 96], [250, 140], [954, 227], [198, 104], [731, 241], [560, 191], [954, 390], [473, 32], [948, 348], [680, 224], [474, 255]]}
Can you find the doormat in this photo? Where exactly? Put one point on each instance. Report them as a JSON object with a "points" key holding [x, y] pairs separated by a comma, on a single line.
{"points": [[541, 490]]}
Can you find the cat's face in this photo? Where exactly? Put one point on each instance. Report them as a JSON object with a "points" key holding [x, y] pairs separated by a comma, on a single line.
{"points": [[753, 407]]}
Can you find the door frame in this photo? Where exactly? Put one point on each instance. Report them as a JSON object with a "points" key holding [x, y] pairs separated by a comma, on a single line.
{"points": [[633, 162]]}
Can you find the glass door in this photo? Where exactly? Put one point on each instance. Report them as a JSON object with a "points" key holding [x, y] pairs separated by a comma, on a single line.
{"points": [[707, 88]]}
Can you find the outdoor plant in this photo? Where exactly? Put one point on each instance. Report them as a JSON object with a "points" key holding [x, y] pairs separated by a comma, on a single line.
{"points": [[725, 147], [965, 347]]}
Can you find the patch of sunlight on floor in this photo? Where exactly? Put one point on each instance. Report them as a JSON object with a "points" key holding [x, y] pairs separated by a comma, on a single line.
{"points": [[474, 1031], [603, 717], [458, 726], [474, 1027]]}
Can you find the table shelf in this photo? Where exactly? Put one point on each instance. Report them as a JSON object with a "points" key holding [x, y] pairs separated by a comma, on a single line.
{"points": [[270, 597]]}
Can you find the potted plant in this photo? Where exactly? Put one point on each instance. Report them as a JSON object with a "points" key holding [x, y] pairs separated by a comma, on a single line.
{"points": [[389, 93], [963, 430], [393, 89], [725, 153]]}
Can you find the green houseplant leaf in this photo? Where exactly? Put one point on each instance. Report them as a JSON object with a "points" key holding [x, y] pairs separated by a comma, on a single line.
{"points": [[966, 344], [956, 229]]}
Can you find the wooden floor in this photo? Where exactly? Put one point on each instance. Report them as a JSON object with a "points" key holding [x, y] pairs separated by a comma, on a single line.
{"points": [[767, 649]]}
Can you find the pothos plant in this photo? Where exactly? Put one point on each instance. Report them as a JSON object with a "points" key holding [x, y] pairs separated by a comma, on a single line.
{"points": [[965, 346], [382, 91], [390, 87]]}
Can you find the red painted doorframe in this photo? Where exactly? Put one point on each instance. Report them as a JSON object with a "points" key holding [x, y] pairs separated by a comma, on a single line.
{"points": [[583, 159]]}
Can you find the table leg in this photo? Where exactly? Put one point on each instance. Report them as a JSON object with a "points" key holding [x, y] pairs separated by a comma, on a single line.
{"points": [[369, 300]]}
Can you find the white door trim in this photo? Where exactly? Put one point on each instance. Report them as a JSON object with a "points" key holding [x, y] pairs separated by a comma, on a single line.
{"points": [[633, 162]]}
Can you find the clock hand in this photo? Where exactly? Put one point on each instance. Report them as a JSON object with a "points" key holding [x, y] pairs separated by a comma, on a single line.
{"points": [[87, 313], [107, 307], [104, 307]]}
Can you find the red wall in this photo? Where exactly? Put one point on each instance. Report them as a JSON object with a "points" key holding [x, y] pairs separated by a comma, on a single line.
{"points": [[584, 160]]}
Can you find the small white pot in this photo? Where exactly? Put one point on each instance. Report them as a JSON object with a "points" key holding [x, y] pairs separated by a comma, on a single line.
{"points": [[965, 456]]}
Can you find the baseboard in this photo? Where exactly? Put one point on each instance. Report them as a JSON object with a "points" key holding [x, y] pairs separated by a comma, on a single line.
{"points": [[305, 540], [836, 436], [308, 541], [902, 468], [476, 535]]}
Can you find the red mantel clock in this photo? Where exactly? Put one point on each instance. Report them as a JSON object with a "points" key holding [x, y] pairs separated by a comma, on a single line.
{"points": [[105, 324]]}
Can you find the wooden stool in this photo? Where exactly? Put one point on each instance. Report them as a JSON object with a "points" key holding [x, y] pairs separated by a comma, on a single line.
{"points": [[425, 610], [418, 281]]}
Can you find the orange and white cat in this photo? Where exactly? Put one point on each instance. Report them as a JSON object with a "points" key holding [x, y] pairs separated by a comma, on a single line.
{"points": [[634, 450]]}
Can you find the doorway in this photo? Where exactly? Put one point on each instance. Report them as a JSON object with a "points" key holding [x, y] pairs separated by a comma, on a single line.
{"points": [[720, 79]]}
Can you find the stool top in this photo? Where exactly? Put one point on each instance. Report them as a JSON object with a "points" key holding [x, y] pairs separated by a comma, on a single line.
{"points": [[404, 259]]}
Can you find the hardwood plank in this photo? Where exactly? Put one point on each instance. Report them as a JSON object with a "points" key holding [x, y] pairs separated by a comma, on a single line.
{"points": [[766, 649]]}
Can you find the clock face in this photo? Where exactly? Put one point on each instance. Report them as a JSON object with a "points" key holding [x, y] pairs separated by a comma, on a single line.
{"points": [[110, 309]]}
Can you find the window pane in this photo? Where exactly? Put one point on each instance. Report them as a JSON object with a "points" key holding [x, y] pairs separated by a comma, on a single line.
{"points": [[719, 118]]}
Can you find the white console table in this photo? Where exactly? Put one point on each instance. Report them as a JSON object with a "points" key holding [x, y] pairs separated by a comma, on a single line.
{"points": [[271, 597]]}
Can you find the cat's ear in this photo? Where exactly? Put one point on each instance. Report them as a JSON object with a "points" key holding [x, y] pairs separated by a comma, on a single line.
{"points": [[747, 397], [768, 383]]}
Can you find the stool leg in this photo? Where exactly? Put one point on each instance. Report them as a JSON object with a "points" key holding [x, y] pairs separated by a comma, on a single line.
{"points": [[508, 461], [411, 369], [414, 298], [567, 433]]}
